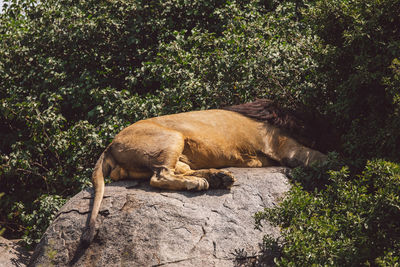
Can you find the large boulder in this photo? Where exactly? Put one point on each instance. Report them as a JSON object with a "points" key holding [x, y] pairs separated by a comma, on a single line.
{"points": [[143, 226]]}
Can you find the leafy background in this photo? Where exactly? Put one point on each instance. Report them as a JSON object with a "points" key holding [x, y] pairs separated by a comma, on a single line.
{"points": [[74, 73]]}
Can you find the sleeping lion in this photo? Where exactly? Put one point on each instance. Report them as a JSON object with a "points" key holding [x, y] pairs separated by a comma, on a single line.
{"points": [[185, 151]]}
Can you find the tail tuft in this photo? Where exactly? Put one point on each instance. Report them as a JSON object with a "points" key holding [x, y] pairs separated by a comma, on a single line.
{"points": [[88, 236]]}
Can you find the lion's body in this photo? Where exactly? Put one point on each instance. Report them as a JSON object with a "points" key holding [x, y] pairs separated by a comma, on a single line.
{"points": [[180, 152], [201, 139]]}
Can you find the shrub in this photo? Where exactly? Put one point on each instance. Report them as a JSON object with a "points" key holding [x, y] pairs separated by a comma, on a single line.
{"points": [[45, 209], [354, 221], [258, 54], [361, 40]]}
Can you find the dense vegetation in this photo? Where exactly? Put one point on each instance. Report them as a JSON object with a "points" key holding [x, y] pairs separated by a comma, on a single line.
{"points": [[75, 73], [353, 221]]}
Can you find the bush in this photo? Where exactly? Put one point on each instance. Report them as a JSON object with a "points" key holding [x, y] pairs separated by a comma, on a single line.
{"points": [[360, 69], [354, 221], [258, 54], [44, 210]]}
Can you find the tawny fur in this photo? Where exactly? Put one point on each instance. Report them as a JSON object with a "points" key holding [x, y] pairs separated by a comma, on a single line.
{"points": [[184, 151]]}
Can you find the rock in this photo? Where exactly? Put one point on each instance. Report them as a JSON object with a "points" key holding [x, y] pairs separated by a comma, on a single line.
{"points": [[143, 226], [12, 253]]}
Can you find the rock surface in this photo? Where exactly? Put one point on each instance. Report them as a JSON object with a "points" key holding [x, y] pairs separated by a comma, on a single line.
{"points": [[143, 226], [12, 254]]}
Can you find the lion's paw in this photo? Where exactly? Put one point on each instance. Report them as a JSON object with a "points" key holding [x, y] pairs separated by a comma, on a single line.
{"points": [[221, 179], [202, 184]]}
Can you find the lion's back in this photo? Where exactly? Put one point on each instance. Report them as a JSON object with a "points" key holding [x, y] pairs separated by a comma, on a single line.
{"points": [[214, 136]]}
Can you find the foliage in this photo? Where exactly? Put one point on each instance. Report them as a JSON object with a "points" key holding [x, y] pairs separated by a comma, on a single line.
{"points": [[360, 67], [353, 221], [45, 208], [256, 55]]}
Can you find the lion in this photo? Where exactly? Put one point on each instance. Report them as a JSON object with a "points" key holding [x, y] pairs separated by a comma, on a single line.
{"points": [[185, 151]]}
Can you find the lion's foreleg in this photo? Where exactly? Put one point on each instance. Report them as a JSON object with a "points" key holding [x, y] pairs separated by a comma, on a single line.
{"points": [[293, 154], [289, 152], [302, 156]]}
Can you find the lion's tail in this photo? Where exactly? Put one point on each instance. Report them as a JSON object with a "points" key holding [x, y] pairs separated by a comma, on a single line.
{"points": [[102, 168]]}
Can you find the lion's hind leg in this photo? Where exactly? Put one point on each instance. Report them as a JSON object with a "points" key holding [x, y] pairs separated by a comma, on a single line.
{"points": [[119, 173], [162, 177], [148, 146], [166, 178]]}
